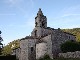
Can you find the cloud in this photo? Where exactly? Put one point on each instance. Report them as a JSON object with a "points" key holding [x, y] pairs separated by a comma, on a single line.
{"points": [[21, 5], [9, 14], [71, 26], [16, 2], [67, 15], [12, 2], [70, 11], [32, 2], [29, 23]]}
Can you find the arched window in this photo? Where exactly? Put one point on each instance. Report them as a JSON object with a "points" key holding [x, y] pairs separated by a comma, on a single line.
{"points": [[36, 24], [43, 24], [31, 49], [35, 32]]}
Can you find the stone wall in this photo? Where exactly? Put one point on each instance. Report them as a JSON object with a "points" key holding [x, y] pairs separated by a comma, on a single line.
{"points": [[59, 37], [75, 54], [16, 52], [48, 41], [27, 49], [41, 50]]}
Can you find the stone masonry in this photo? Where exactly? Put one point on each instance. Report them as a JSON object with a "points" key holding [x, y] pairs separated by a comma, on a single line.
{"points": [[43, 40], [75, 54]]}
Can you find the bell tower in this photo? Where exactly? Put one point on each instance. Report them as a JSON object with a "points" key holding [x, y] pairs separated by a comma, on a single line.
{"points": [[40, 24], [40, 20]]}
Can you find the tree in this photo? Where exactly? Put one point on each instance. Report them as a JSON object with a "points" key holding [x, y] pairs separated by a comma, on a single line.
{"points": [[1, 45], [7, 50], [70, 46]]}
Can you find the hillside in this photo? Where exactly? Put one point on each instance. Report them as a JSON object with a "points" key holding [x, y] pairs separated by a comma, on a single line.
{"points": [[75, 31]]}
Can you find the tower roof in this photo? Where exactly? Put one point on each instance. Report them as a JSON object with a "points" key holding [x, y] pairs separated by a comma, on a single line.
{"points": [[39, 9], [39, 12]]}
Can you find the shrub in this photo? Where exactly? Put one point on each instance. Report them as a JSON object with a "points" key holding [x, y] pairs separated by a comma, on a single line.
{"points": [[70, 46], [46, 57]]}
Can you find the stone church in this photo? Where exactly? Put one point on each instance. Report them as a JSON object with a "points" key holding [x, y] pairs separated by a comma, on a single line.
{"points": [[43, 40]]}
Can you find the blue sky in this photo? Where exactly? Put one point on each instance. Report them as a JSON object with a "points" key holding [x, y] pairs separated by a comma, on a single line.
{"points": [[17, 16]]}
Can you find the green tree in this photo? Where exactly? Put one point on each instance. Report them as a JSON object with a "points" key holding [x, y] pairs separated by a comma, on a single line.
{"points": [[70, 46], [6, 50]]}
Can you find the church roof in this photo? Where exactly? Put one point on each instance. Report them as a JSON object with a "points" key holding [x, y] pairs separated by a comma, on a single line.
{"points": [[29, 37], [69, 33], [59, 30]]}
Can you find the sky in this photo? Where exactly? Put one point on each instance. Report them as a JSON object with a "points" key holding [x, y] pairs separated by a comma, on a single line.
{"points": [[17, 17]]}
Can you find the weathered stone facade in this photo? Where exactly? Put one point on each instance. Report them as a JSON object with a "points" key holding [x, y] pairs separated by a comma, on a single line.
{"points": [[43, 40], [16, 52], [40, 50], [75, 54]]}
